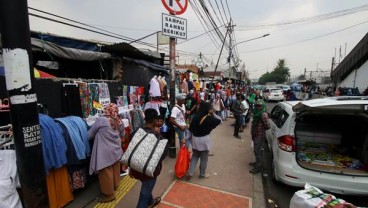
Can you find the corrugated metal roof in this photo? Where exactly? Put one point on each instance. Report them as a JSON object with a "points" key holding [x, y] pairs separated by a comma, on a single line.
{"points": [[357, 57]]}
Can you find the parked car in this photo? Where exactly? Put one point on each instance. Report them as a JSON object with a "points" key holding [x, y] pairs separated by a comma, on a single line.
{"points": [[323, 142], [273, 94], [284, 88], [349, 91]]}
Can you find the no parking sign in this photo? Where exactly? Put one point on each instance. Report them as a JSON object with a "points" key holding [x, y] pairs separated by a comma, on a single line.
{"points": [[175, 7]]}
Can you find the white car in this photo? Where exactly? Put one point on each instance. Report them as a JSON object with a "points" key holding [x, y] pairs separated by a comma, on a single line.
{"points": [[273, 94], [323, 142]]}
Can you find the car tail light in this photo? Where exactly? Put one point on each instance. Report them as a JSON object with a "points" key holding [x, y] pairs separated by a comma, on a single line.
{"points": [[287, 143]]}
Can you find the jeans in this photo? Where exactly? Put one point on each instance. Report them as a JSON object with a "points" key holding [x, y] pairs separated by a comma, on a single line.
{"points": [[181, 136], [203, 156], [145, 196]]}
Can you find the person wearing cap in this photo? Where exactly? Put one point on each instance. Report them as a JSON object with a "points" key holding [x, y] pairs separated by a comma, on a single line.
{"points": [[177, 118], [146, 199], [260, 124]]}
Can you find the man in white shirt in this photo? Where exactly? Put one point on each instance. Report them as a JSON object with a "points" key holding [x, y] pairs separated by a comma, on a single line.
{"points": [[177, 118], [244, 116]]}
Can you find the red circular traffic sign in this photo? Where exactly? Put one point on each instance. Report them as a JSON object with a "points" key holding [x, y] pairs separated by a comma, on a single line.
{"points": [[175, 7]]}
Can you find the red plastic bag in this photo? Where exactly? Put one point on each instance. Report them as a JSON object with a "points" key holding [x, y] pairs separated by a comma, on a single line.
{"points": [[182, 162]]}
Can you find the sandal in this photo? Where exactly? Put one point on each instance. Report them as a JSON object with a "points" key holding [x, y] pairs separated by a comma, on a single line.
{"points": [[156, 201], [105, 199]]}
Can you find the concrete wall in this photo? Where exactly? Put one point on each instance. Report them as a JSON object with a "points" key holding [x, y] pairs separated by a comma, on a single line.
{"points": [[359, 76]]}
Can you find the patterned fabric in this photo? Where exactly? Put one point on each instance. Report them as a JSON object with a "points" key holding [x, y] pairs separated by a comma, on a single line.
{"points": [[138, 155], [103, 93], [137, 119], [93, 88], [78, 179], [85, 98], [112, 112]]}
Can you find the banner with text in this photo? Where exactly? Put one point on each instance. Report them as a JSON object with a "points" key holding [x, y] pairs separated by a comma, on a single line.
{"points": [[174, 27]]}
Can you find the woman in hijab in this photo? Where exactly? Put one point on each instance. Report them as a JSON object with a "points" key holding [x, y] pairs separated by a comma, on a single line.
{"points": [[260, 124], [204, 121], [106, 152]]}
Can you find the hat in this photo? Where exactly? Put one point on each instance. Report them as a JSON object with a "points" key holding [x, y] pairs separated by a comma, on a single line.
{"points": [[180, 96], [260, 103]]}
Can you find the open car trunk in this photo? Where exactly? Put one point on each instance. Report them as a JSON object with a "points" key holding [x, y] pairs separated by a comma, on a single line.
{"points": [[333, 143]]}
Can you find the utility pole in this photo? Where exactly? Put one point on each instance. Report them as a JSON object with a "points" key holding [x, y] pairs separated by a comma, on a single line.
{"points": [[172, 146], [218, 60], [230, 30], [17, 55]]}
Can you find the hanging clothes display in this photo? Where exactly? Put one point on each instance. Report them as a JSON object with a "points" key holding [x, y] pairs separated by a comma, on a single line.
{"points": [[71, 100], [153, 104], [53, 144], [137, 119], [9, 180], [77, 129], [85, 99], [184, 86], [58, 188], [104, 94], [154, 90], [93, 87]]}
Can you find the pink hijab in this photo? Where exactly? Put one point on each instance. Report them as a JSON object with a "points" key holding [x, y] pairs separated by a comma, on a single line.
{"points": [[112, 112]]}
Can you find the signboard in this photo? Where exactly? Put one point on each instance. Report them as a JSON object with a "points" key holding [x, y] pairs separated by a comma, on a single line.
{"points": [[175, 7], [174, 27], [162, 39], [199, 63]]}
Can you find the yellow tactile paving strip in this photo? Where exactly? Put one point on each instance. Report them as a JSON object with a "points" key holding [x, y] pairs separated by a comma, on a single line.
{"points": [[187, 195], [124, 187]]}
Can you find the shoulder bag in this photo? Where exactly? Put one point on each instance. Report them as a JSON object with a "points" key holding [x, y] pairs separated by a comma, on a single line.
{"points": [[144, 152]]}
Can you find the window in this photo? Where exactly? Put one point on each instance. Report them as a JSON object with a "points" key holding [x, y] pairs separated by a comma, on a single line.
{"points": [[279, 116]]}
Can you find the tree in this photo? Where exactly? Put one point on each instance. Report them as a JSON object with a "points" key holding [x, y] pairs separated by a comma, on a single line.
{"points": [[280, 74]]}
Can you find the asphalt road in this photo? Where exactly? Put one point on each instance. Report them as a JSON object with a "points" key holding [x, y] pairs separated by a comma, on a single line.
{"points": [[279, 195]]}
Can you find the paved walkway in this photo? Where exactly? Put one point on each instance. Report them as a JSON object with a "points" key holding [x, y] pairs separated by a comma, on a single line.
{"points": [[230, 184]]}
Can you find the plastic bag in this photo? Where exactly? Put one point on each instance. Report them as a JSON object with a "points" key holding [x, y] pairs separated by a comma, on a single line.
{"points": [[312, 197], [182, 162]]}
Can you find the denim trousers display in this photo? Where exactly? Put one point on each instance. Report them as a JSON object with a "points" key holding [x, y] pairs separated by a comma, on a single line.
{"points": [[203, 156], [145, 197]]}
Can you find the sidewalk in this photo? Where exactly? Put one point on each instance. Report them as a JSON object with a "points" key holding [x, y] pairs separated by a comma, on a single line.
{"points": [[230, 184]]}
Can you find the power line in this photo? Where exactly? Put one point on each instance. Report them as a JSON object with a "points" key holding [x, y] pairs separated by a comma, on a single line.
{"points": [[211, 20], [209, 1], [198, 14], [227, 20], [105, 32], [220, 13], [228, 9], [309, 19], [305, 40]]}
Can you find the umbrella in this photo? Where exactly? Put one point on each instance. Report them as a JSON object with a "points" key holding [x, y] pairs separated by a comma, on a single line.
{"points": [[41, 74]]}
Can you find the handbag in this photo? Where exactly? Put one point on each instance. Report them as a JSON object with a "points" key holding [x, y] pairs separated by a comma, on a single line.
{"points": [[144, 152], [182, 162]]}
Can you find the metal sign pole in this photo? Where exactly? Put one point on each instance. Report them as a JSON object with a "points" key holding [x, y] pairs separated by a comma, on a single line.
{"points": [[172, 151], [17, 55]]}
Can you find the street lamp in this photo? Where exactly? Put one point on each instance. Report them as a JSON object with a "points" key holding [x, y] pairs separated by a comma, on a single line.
{"points": [[232, 47]]}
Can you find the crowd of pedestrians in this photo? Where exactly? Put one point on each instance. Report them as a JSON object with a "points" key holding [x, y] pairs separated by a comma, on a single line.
{"points": [[193, 118]]}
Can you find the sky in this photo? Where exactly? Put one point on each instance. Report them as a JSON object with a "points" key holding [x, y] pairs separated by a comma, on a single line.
{"points": [[306, 45]]}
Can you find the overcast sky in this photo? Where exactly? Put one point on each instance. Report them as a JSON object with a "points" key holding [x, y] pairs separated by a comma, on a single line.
{"points": [[309, 45]]}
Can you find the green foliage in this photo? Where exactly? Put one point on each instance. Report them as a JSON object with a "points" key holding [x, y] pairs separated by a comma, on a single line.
{"points": [[280, 74]]}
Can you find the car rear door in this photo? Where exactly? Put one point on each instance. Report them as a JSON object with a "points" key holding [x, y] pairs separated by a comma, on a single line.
{"points": [[274, 116]]}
